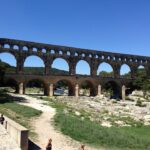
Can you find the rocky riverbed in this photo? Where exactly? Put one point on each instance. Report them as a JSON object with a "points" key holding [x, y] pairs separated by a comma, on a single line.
{"points": [[109, 112]]}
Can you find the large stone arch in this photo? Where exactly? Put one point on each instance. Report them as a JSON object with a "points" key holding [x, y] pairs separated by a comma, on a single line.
{"points": [[13, 56], [69, 83], [61, 58], [108, 66], [44, 85], [11, 82], [144, 68], [86, 62], [36, 55], [114, 87], [90, 84], [124, 67], [29, 58], [130, 87]]}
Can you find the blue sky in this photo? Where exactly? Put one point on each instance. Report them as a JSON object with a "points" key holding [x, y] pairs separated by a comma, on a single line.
{"points": [[110, 25]]}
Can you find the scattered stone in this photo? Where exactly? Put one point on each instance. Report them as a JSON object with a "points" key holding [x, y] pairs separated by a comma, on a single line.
{"points": [[120, 123], [82, 118], [65, 111], [77, 113], [147, 118], [102, 109], [106, 124]]}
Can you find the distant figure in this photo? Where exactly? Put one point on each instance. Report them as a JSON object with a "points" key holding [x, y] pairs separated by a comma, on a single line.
{"points": [[49, 145], [2, 119], [82, 147]]}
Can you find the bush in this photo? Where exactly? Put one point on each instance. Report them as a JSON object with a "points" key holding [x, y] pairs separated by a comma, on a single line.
{"points": [[114, 101], [129, 99], [139, 103]]}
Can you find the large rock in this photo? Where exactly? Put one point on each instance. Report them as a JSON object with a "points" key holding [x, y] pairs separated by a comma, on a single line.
{"points": [[106, 124], [147, 118]]}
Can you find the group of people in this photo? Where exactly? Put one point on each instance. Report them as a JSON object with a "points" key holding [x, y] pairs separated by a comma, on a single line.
{"points": [[49, 145], [2, 119]]}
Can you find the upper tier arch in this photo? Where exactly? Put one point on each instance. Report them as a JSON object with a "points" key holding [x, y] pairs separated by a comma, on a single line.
{"points": [[22, 49]]}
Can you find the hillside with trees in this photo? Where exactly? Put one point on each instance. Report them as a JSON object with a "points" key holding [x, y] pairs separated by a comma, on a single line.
{"points": [[5, 67]]}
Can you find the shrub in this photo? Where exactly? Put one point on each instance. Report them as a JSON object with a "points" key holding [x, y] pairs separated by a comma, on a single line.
{"points": [[139, 103], [129, 99]]}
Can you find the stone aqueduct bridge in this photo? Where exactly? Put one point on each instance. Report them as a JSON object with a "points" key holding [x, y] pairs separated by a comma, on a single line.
{"points": [[48, 53]]}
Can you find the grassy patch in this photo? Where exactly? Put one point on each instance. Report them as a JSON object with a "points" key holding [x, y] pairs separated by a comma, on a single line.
{"points": [[24, 111], [19, 113], [92, 133]]}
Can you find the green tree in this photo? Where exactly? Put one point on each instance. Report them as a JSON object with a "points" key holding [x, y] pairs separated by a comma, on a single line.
{"points": [[106, 74]]}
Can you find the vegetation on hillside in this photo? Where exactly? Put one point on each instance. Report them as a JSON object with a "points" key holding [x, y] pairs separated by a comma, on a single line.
{"points": [[30, 70], [111, 74], [142, 81]]}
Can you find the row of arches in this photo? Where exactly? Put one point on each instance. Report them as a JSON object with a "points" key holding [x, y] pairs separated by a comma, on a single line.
{"points": [[63, 51], [82, 67], [65, 87]]}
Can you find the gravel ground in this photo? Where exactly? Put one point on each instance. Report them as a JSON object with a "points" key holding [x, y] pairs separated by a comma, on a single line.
{"points": [[6, 142]]}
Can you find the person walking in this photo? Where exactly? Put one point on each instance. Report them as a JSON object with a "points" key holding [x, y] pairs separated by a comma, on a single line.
{"points": [[2, 119], [82, 147], [49, 145]]}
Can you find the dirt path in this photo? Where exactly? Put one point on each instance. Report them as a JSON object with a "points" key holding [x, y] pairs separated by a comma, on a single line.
{"points": [[44, 127]]}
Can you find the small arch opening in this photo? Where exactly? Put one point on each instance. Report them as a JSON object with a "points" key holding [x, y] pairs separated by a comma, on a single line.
{"points": [[34, 49], [76, 54], [90, 55], [108, 57], [96, 56], [60, 52], [68, 53], [43, 50], [6, 46], [16, 47], [103, 57], [25, 48], [82, 68], [83, 55], [52, 51]]}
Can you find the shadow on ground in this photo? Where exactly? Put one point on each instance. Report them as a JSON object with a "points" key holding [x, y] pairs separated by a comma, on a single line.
{"points": [[33, 146]]}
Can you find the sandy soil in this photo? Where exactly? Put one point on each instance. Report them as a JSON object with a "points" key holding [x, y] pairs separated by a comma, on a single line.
{"points": [[44, 127]]}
